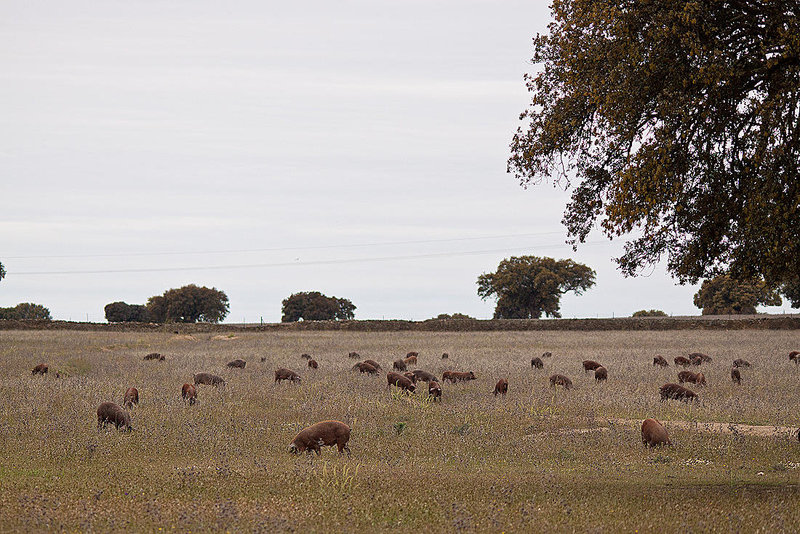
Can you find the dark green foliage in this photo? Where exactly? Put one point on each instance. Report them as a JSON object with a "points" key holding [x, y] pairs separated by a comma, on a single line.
{"points": [[724, 295], [314, 306], [528, 286], [120, 312], [677, 120], [455, 316], [189, 304], [649, 313], [26, 311], [2, 271]]}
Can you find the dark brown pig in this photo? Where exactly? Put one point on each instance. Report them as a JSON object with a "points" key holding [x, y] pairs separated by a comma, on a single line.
{"points": [[208, 379], [501, 387], [600, 374], [110, 412], [286, 374], [313, 364], [364, 367], [590, 365], [40, 369], [399, 365], [435, 390], [660, 361], [677, 392], [237, 364]]}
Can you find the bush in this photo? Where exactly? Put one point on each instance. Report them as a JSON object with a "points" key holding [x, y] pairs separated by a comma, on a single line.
{"points": [[455, 316], [649, 313]]}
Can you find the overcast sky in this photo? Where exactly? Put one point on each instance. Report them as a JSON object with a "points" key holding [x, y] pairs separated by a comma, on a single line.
{"points": [[264, 148]]}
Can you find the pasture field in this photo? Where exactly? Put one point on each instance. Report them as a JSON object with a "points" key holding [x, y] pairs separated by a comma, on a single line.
{"points": [[537, 460]]}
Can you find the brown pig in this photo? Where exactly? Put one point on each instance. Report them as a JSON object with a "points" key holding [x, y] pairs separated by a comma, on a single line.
{"points": [[286, 374], [654, 433], [396, 379], [313, 364], [435, 390], [677, 392], [131, 397], [325, 433], [537, 362], [364, 367], [237, 364], [501, 387], [40, 369], [399, 365], [110, 412], [600, 374], [560, 380], [208, 379], [189, 392], [660, 361], [590, 365]]}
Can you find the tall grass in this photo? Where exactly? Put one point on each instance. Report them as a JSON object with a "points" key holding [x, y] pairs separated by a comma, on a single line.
{"points": [[473, 462]]}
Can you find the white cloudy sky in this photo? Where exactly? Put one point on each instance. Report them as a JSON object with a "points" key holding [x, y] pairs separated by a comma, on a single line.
{"points": [[265, 148]]}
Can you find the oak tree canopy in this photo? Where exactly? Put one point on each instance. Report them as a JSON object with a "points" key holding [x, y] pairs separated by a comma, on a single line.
{"points": [[676, 124]]}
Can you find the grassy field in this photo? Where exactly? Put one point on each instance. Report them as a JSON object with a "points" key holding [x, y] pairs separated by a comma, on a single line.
{"points": [[472, 463]]}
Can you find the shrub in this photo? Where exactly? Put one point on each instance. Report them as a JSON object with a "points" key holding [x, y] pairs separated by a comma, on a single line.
{"points": [[649, 313]]}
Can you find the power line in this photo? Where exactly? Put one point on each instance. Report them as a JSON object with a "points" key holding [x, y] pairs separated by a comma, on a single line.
{"points": [[280, 249], [294, 263]]}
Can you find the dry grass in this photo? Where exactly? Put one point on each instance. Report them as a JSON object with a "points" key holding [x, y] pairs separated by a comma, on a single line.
{"points": [[472, 463]]}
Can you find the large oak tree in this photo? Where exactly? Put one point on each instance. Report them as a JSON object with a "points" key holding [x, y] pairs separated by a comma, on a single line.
{"points": [[677, 124], [527, 286]]}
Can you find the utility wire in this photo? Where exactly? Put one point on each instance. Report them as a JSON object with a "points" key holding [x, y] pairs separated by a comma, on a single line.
{"points": [[279, 249], [296, 263]]}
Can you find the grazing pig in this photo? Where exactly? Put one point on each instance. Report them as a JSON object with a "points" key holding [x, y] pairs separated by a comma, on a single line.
{"points": [[313, 364], [674, 391], [694, 378], [736, 376], [189, 392], [404, 383], [704, 357], [600, 374], [374, 364], [501, 387], [454, 376], [590, 365], [325, 433], [423, 376], [410, 360], [794, 356], [412, 354], [286, 374], [109, 412], [263, 359], [411, 376], [684, 362], [445, 356], [654, 433], [40, 369], [547, 354], [208, 379], [660, 361], [537, 362], [741, 363], [353, 355], [154, 356], [305, 356], [435, 390], [696, 360], [399, 365], [237, 364], [131, 397], [560, 380], [364, 367]]}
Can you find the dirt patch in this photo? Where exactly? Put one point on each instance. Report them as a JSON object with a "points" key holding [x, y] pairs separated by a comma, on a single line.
{"points": [[710, 428], [225, 337]]}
